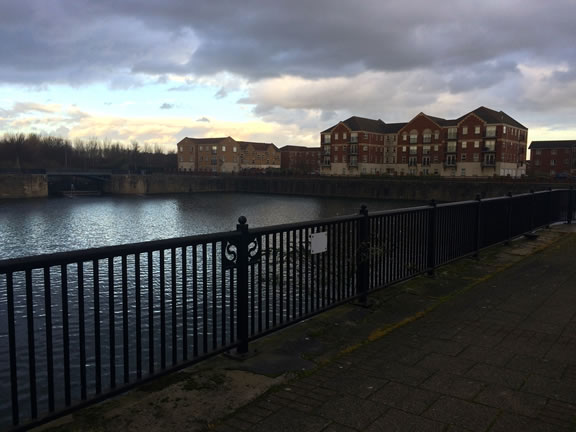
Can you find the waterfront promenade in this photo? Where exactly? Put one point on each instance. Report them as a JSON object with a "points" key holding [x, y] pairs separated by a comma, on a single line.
{"points": [[487, 345], [499, 357]]}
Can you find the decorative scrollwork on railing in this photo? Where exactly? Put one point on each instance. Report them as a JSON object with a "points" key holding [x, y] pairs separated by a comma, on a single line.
{"points": [[230, 252], [229, 255], [254, 250]]}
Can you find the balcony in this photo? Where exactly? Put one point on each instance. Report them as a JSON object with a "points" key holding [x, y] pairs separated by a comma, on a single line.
{"points": [[488, 164], [451, 150], [450, 163], [490, 134], [353, 150], [353, 140], [326, 162], [452, 136], [488, 149]]}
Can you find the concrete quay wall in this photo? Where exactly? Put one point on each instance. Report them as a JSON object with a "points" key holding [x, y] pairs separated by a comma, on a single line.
{"points": [[401, 189], [23, 186]]}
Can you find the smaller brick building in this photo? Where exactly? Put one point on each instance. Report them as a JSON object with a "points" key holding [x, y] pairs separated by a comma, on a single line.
{"points": [[300, 160], [552, 158], [225, 155]]}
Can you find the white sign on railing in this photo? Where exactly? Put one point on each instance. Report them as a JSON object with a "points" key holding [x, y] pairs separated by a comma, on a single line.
{"points": [[318, 242]]}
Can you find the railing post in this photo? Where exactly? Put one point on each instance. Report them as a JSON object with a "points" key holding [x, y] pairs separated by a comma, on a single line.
{"points": [[242, 294], [432, 237], [509, 219], [362, 256], [570, 205], [549, 219], [532, 209], [478, 224]]}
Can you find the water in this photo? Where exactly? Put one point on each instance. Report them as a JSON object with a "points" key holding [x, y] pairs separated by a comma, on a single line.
{"points": [[37, 226], [31, 227]]}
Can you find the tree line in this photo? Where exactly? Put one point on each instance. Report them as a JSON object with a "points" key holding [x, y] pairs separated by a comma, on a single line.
{"points": [[22, 152]]}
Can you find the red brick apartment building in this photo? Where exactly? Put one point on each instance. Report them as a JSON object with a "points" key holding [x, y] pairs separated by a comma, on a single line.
{"points": [[225, 155], [552, 158], [300, 160], [483, 142]]}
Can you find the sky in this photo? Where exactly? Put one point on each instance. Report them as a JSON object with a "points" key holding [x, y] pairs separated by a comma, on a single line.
{"points": [[281, 71]]}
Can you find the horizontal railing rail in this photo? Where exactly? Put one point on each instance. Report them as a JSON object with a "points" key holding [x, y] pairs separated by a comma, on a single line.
{"points": [[76, 327]]}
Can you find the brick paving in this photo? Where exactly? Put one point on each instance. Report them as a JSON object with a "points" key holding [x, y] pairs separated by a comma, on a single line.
{"points": [[499, 357]]}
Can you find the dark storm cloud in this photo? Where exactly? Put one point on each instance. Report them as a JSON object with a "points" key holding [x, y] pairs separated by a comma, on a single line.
{"points": [[75, 41]]}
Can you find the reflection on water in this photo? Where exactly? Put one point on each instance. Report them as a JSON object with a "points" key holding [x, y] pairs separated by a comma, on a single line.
{"points": [[32, 227]]}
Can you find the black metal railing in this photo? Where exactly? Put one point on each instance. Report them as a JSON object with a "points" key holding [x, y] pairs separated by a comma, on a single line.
{"points": [[80, 326]]}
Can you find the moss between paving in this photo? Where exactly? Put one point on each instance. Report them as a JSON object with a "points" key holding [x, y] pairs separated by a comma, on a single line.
{"points": [[196, 398]]}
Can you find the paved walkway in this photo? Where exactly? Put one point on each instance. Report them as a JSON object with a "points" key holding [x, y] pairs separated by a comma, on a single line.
{"points": [[500, 358]]}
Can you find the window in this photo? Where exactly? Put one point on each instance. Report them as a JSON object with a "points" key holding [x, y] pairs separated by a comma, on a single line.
{"points": [[214, 149], [537, 162], [490, 145], [464, 144], [365, 148], [426, 149], [553, 152], [463, 172], [234, 149], [427, 136], [477, 130], [403, 159], [180, 149], [201, 149], [404, 135], [354, 137], [503, 129], [451, 147], [365, 158], [537, 152], [476, 144], [413, 137], [465, 130], [552, 162], [490, 131], [463, 157], [436, 147], [223, 148], [403, 148], [326, 139], [475, 157], [436, 158], [436, 134], [344, 135], [413, 150], [452, 133], [336, 136]]}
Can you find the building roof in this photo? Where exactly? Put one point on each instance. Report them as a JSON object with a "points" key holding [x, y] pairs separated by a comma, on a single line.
{"points": [[299, 148], [355, 123], [393, 127], [256, 145], [552, 144], [491, 116], [207, 141]]}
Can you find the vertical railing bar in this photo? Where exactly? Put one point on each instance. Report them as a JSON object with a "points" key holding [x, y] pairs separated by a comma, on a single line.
{"points": [[151, 360], [274, 280], [31, 345], [184, 260], [281, 293], [125, 335], [294, 275], [214, 297], [288, 288], [49, 339], [12, 348], [223, 314], [301, 273], [173, 305], [82, 330], [65, 333], [97, 344], [307, 272], [111, 319], [205, 297], [138, 316], [260, 311], [162, 310], [252, 296], [195, 299], [267, 260]]}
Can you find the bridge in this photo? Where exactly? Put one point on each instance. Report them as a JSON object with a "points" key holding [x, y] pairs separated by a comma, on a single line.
{"points": [[99, 176]]}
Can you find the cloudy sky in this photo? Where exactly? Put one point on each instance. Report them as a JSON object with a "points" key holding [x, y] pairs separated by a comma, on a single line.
{"points": [[280, 70]]}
